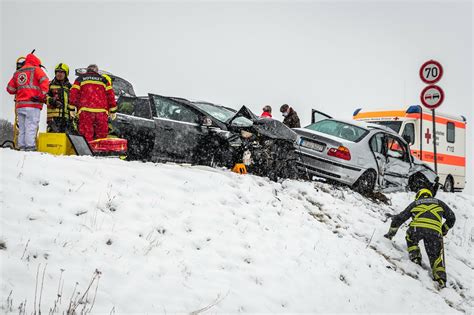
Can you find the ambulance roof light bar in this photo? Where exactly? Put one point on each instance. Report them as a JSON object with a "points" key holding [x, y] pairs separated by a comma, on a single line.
{"points": [[414, 109], [357, 111]]}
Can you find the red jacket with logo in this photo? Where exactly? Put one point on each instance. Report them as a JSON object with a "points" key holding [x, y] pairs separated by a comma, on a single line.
{"points": [[92, 92], [27, 82]]}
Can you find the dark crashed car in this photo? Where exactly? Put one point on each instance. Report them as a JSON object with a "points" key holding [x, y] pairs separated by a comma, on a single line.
{"points": [[171, 129]]}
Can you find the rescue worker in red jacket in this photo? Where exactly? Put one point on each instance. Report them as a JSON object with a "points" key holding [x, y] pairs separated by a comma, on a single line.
{"points": [[93, 98], [29, 84], [57, 100]]}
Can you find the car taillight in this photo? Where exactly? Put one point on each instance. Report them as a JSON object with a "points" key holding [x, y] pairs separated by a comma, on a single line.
{"points": [[341, 152]]}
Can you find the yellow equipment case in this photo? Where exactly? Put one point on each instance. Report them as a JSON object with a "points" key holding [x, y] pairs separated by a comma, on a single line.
{"points": [[55, 143]]}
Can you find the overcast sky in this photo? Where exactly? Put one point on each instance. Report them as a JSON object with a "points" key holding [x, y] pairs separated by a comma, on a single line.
{"points": [[330, 55]]}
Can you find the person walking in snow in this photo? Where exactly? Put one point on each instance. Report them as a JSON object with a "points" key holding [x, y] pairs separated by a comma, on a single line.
{"points": [[427, 213], [29, 84], [93, 98], [267, 112], [291, 117], [57, 100]]}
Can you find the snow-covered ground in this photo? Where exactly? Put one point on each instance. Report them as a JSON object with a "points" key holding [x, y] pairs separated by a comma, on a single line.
{"points": [[163, 238]]}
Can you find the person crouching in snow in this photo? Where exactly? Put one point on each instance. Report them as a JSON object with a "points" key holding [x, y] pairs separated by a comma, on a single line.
{"points": [[426, 213], [93, 98], [267, 112], [29, 84]]}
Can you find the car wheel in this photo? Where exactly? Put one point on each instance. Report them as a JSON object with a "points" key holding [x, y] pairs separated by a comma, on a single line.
{"points": [[449, 184], [366, 183]]}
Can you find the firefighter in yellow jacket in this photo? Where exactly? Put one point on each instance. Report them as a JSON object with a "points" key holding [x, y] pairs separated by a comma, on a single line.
{"points": [[57, 99], [427, 215]]}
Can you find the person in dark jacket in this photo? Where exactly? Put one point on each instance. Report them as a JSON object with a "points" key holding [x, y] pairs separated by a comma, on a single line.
{"points": [[57, 100], [291, 117], [427, 213]]}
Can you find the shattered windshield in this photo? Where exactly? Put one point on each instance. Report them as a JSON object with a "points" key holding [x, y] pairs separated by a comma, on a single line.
{"points": [[394, 125], [222, 114], [339, 129]]}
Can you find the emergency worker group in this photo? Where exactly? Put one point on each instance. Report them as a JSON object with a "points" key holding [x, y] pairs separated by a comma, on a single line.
{"points": [[85, 105], [91, 101]]}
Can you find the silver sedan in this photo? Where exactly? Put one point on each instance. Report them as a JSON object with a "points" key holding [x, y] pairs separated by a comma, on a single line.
{"points": [[364, 156]]}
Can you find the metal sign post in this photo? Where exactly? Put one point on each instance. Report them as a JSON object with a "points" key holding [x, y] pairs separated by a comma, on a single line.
{"points": [[434, 141], [432, 96]]}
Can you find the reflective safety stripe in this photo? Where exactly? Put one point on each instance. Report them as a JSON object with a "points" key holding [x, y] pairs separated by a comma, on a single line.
{"points": [[54, 113], [113, 109], [108, 88], [29, 102], [42, 79], [11, 89], [26, 69], [29, 87], [75, 86], [436, 266], [92, 110], [430, 221], [426, 225], [93, 82], [32, 75], [412, 248]]}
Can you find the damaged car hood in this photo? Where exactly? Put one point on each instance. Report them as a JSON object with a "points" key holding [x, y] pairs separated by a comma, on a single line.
{"points": [[268, 127]]}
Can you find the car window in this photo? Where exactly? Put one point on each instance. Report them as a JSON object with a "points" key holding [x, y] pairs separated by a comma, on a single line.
{"points": [[166, 108], [409, 133], [339, 129], [450, 132], [376, 143], [139, 107], [395, 148]]}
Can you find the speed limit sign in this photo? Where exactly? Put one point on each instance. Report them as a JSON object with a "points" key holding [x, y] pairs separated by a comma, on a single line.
{"points": [[431, 72]]}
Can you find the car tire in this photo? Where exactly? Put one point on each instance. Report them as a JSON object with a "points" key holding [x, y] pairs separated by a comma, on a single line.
{"points": [[449, 184], [366, 183]]}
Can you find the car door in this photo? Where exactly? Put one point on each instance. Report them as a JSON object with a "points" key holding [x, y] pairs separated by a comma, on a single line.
{"points": [[398, 161], [317, 116], [377, 145], [178, 130], [135, 123]]}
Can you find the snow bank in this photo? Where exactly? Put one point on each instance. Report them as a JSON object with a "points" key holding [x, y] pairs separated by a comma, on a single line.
{"points": [[170, 238]]}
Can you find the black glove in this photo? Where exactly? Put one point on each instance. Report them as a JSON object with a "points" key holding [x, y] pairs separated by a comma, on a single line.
{"points": [[391, 233], [58, 104], [36, 99], [445, 229], [389, 236]]}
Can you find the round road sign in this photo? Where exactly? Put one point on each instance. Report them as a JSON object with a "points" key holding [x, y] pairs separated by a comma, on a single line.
{"points": [[432, 96], [431, 72]]}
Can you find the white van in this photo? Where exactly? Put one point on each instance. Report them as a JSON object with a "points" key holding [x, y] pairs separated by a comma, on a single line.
{"points": [[415, 125]]}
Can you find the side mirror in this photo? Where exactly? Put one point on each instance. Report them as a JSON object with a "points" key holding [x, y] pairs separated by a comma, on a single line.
{"points": [[206, 121]]}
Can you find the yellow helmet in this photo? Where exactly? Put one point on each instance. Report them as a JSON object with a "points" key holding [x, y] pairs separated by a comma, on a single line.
{"points": [[20, 62], [425, 193], [108, 78], [62, 67]]}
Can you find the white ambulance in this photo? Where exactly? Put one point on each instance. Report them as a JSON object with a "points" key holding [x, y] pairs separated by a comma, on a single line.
{"points": [[415, 125]]}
